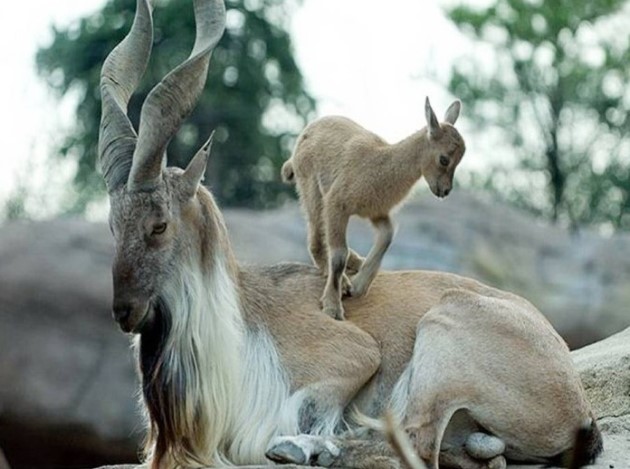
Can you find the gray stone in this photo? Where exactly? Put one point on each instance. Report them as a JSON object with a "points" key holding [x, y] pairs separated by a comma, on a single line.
{"points": [[605, 371]]}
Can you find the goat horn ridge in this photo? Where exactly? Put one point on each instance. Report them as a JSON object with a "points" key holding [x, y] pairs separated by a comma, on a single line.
{"points": [[173, 99], [120, 76]]}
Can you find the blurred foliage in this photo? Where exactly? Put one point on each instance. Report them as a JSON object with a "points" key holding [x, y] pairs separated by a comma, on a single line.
{"points": [[15, 206], [552, 78], [254, 98]]}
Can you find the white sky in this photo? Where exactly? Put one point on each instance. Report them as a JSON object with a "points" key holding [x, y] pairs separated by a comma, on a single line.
{"points": [[361, 59]]}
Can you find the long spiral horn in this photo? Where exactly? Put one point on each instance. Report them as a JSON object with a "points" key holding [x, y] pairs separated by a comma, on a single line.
{"points": [[120, 76], [174, 98]]}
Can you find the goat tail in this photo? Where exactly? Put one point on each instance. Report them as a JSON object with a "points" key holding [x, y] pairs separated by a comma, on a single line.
{"points": [[288, 175], [587, 445]]}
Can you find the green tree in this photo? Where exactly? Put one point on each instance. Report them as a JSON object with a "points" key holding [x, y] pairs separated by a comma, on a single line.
{"points": [[552, 78], [254, 98]]}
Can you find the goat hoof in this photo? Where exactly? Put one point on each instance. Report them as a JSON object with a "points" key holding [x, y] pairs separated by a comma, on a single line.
{"points": [[356, 292], [325, 458], [346, 286], [358, 288], [483, 446], [287, 452], [498, 462], [354, 263], [334, 312], [303, 450], [333, 308]]}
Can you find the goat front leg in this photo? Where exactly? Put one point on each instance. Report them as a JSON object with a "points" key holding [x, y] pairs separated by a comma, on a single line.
{"points": [[384, 236], [336, 225], [313, 206], [333, 452], [316, 245]]}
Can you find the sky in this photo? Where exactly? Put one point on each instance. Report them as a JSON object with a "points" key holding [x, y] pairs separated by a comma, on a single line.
{"points": [[30, 118], [370, 63]]}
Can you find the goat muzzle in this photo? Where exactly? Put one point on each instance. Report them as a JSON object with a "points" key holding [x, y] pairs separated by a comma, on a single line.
{"points": [[130, 316]]}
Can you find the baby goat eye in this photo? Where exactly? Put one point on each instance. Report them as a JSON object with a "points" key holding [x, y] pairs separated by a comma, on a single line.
{"points": [[444, 161], [159, 229]]}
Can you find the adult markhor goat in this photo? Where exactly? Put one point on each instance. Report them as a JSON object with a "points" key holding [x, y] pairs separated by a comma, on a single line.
{"points": [[237, 363]]}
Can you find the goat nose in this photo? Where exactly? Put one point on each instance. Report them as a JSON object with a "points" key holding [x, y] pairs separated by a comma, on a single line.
{"points": [[446, 191], [121, 312]]}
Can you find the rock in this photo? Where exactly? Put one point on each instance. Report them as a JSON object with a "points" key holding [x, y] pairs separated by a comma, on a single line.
{"points": [[605, 371], [67, 376]]}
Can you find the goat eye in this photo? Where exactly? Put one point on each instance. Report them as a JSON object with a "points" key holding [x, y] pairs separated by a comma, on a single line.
{"points": [[444, 161], [159, 229]]}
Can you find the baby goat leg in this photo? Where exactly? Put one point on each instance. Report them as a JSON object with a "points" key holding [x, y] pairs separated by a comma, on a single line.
{"points": [[384, 235], [336, 224], [331, 300]]}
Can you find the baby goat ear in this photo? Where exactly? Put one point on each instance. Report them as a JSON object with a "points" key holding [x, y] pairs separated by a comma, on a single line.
{"points": [[433, 125], [194, 172], [452, 113]]}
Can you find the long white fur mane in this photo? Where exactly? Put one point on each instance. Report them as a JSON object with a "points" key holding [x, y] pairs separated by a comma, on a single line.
{"points": [[235, 386]]}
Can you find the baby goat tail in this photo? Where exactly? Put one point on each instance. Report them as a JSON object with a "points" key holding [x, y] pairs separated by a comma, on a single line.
{"points": [[288, 175], [588, 444]]}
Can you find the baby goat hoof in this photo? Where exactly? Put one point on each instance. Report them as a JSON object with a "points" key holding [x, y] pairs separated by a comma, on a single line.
{"points": [[356, 292], [354, 264], [335, 312], [346, 286]]}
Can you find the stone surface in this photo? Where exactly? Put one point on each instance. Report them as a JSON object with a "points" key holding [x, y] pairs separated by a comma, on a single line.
{"points": [[605, 371], [66, 373]]}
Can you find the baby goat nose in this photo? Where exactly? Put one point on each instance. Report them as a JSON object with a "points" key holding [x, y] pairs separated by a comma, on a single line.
{"points": [[446, 191]]}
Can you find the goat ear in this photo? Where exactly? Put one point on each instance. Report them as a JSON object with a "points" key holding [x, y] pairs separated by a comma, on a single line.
{"points": [[452, 113], [433, 125], [194, 172]]}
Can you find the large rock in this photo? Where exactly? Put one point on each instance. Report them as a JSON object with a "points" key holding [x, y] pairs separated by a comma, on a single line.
{"points": [[605, 371], [66, 373], [604, 368]]}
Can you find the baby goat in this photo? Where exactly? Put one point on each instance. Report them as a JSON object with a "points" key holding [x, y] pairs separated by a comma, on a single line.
{"points": [[342, 169]]}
